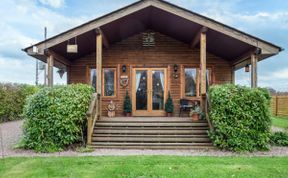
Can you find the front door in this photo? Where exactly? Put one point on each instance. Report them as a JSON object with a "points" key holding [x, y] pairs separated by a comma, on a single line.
{"points": [[149, 91]]}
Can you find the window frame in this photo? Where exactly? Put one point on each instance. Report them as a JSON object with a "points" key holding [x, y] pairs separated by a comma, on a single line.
{"points": [[197, 67], [115, 82]]}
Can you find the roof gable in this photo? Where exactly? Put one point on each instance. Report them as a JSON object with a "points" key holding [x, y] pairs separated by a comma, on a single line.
{"points": [[171, 11]]}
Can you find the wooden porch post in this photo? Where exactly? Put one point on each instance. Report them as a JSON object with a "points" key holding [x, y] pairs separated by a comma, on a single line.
{"points": [[203, 63], [254, 61], [233, 76], [99, 69], [50, 63]]}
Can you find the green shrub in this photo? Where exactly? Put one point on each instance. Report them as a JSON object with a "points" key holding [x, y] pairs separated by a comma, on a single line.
{"points": [[12, 100], [279, 139], [241, 117], [55, 117]]}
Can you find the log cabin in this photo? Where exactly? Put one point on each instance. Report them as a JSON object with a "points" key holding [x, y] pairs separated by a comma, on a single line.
{"points": [[149, 49]]}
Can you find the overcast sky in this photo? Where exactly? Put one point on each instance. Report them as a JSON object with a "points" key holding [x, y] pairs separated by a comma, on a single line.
{"points": [[22, 23]]}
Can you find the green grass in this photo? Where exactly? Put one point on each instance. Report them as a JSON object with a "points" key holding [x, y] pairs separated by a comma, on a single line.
{"points": [[281, 122], [145, 166]]}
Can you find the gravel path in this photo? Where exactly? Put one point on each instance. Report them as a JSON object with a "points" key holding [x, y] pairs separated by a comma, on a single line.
{"points": [[12, 131]]}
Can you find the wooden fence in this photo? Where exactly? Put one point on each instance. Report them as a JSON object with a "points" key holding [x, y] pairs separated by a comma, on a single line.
{"points": [[279, 105]]}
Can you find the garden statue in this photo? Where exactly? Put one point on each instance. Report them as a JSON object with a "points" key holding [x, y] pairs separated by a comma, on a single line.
{"points": [[111, 109]]}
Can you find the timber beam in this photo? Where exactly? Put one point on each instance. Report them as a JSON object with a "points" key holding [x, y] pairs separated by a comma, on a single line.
{"points": [[50, 63], [196, 39], [104, 38], [99, 43], [254, 60], [203, 63], [59, 58]]}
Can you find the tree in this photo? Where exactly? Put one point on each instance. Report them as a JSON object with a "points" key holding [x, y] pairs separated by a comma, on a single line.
{"points": [[127, 104], [169, 106]]}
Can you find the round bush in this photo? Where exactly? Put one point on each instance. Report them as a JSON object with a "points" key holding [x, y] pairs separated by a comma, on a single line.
{"points": [[241, 117], [54, 117], [279, 139]]}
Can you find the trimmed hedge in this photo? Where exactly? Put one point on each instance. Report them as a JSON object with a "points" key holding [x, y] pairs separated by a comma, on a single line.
{"points": [[279, 139], [241, 117], [55, 117], [12, 100]]}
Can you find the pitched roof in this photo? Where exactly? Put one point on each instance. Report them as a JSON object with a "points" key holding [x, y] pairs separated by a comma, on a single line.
{"points": [[190, 22]]}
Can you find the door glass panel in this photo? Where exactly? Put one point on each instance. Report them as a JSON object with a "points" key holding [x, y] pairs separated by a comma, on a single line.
{"points": [[141, 89], [109, 77], [158, 89]]}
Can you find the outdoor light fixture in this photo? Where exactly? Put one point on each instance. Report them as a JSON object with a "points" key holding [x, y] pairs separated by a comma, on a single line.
{"points": [[247, 68], [124, 68], [61, 72], [175, 68], [72, 48], [258, 51]]}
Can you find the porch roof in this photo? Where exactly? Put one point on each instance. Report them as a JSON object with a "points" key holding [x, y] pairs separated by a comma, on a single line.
{"points": [[166, 18]]}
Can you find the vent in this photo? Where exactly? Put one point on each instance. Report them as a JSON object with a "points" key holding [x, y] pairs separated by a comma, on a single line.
{"points": [[148, 39]]}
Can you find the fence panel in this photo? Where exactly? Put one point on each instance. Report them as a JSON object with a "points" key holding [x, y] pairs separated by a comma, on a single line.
{"points": [[279, 105]]}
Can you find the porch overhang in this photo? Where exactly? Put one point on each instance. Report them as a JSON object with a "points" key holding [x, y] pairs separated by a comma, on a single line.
{"points": [[161, 16]]}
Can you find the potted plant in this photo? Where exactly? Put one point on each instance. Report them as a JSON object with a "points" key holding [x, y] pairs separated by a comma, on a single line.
{"points": [[127, 105], [195, 112], [169, 106]]}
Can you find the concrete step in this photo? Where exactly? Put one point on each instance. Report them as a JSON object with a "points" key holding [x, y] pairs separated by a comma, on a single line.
{"points": [[143, 131], [148, 119], [163, 145], [151, 124], [153, 128], [149, 139], [150, 133], [153, 147], [151, 136]]}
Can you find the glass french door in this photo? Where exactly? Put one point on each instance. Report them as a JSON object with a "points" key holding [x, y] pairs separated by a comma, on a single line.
{"points": [[149, 91]]}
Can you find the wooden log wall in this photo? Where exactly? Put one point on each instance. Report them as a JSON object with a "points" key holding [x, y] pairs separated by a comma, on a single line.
{"points": [[166, 53]]}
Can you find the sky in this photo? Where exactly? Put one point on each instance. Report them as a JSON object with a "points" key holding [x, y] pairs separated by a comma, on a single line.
{"points": [[22, 23]]}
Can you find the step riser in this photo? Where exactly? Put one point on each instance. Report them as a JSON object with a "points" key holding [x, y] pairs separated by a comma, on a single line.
{"points": [[154, 128], [129, 124], [151, 132], [151, 139], [154, 147], [149, 144], [150, 136]]}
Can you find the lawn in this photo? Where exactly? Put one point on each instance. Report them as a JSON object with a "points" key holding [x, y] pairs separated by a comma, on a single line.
{"points": [[145, 166], [281, 122]]}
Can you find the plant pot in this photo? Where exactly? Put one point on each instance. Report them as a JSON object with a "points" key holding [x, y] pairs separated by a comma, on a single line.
{"points": [[169, 114], [195, 117], [128, 114]]}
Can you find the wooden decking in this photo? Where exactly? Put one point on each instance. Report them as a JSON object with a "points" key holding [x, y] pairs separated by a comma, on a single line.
{"points": [[150, 133]]}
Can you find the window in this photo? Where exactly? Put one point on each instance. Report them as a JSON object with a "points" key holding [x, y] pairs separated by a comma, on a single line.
{"points": [[109, 82], [190, 82], [93, 78]]}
